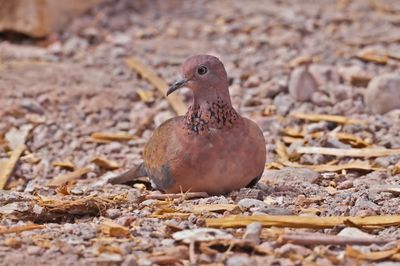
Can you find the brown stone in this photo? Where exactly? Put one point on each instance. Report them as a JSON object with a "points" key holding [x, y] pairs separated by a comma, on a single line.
{"points": [[382, 94], [302, 84], [38, 18]]}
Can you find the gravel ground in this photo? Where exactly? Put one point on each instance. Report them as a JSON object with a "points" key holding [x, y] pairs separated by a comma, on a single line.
{"points": [[282, 57]]}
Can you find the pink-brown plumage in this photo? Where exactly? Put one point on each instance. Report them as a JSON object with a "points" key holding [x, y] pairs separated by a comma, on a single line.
{"points": [[210, 149]]}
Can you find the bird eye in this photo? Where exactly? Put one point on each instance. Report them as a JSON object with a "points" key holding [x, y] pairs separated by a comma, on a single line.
{"points": [[202, 70]]}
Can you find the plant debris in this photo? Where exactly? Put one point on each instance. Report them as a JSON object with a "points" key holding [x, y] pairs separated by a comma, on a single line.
{"points": [[175, 100], [105, 137], [16, 140], [62, 179], [368, 152], [304, 222]]}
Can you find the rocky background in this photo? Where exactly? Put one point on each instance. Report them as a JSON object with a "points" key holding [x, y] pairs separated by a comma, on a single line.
{"points": [[74, 112]]}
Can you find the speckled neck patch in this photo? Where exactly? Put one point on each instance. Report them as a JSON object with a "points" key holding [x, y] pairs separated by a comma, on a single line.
{"points": [[219, 115]]}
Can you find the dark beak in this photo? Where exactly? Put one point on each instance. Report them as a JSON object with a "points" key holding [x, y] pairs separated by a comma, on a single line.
{"points": [[178, 84]]}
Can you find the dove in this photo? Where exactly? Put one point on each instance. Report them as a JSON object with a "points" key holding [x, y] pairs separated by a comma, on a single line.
{"points": [[211, 148]]}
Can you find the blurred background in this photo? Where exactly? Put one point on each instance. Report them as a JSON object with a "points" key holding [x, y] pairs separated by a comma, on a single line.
{"points": [[63, 67]]}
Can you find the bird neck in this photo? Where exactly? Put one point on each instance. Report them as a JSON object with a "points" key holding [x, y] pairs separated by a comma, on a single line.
{"points": [[210, 94], [210, 113]]}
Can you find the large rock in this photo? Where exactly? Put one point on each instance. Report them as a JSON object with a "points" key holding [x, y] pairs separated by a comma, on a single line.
{"points": [[38, 18], [383, 93]]}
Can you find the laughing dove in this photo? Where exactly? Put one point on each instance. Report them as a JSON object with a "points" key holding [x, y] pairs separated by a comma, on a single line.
{"points": [[210, 149]]}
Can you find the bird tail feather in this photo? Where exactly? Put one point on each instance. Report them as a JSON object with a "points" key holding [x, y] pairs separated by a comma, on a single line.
{"points": [[130, 175]]}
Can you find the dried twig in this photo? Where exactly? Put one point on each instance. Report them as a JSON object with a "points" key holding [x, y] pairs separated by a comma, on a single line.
{"points": [[171, 215], [372, 256], [112, 229], [189, 195], [374, 56], [64, 164], [108, 136], [304, 221], [198, 209], [62, 179], [175, 100], [331, 118], [301, 60], [368, 152], [105, 163], [359, 80], [323, 239], [281, 150], [366, 166], [20, 228], [16, 141], [8, 166]]}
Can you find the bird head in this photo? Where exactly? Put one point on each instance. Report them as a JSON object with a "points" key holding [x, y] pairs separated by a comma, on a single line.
{"points": [[205, 75]]}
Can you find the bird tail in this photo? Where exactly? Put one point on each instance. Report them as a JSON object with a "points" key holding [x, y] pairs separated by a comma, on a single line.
{"points": [[130, 175]]}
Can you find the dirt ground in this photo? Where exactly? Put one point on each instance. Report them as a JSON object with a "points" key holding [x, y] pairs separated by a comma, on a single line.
{"points": [[77, 83]]}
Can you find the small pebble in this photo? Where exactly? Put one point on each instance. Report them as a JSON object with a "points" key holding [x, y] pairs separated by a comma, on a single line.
{"points": [[238, 260], [253, 232], [130, 260], [113, 147], [272, 211], [320, 99], [345, 184], [34, 250], [246, 204], [293, 249], [76, 191], [113, 213], [32, 106]]}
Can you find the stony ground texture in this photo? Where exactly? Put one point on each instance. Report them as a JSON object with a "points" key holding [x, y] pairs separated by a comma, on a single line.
{"points": [[283, 58]]}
